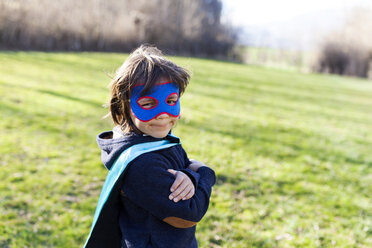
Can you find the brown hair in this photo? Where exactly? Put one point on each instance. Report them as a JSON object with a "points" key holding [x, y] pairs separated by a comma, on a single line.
{"points": [[145, 65]]}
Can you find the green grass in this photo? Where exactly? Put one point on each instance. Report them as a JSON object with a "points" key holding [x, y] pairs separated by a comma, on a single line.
{"points": [[292, 152]]}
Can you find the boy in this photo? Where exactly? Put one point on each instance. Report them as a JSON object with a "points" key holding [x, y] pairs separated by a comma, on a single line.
{"points": [[141, 204]]}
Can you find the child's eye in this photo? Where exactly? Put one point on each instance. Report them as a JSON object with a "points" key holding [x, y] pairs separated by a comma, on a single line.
{"points": [[171, 102], [147, 103], [172, 99]]}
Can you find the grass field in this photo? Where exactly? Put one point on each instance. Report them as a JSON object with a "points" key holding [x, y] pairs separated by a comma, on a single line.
{"points": [[292, 152], [285, 59]]}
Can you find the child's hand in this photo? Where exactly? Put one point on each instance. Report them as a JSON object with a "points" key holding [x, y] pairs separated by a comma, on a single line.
{"points": [[195, 164], [182, 188]]}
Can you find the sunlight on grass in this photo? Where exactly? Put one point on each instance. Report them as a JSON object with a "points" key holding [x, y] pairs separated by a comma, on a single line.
{"points": [[291, 151]]}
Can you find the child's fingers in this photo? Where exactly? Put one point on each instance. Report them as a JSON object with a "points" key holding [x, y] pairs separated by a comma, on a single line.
{"points": [[178, 191], [184, 193], [177, 182], [190, 194]]}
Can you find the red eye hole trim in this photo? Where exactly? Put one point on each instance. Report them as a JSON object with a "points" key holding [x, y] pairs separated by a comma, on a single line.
{"points": [[166, 100], [157, 102]]}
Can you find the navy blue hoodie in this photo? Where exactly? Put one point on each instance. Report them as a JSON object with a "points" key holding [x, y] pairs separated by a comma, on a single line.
{"points": [[144, 214]]}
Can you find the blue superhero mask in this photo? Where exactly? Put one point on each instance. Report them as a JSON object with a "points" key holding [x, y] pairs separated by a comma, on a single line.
{"points": [[161, 93]]}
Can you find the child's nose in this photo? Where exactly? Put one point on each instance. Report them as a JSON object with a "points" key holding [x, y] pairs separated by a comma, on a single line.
{"points": [[163, 116]]}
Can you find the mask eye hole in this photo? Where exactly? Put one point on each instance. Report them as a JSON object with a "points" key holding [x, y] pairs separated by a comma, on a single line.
{"points": [[172, 99], [147, 102]]}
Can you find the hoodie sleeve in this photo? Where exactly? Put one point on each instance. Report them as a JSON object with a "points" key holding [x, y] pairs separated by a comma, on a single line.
{"points": [[194, 176], [148, 184]]}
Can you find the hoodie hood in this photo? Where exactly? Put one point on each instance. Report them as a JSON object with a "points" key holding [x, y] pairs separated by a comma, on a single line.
{"points": [[111, 148]]}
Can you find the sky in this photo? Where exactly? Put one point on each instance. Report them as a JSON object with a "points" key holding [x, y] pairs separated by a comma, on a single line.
{"points": [[291, 23]]}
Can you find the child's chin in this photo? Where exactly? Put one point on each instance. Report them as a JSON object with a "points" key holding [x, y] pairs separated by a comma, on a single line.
{"points": [[160, 134]]}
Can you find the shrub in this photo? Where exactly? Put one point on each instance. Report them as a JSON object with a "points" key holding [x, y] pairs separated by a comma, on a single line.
{"points": [[348, 51]]}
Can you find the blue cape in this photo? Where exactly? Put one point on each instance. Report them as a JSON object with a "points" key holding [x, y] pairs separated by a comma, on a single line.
{"points": [[105, 231]]}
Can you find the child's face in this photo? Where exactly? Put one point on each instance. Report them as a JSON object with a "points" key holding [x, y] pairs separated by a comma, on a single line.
{"points": [[159, 126]]}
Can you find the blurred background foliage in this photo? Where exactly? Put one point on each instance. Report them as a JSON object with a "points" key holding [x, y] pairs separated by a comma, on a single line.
{"points": [[182, 27], [348, 51]]}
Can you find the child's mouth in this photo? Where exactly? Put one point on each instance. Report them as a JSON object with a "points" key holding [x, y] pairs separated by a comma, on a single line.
{"points": [[160, 126]]}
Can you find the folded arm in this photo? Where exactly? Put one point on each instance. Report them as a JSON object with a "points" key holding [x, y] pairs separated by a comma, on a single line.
{"points": [[148, 183]]}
